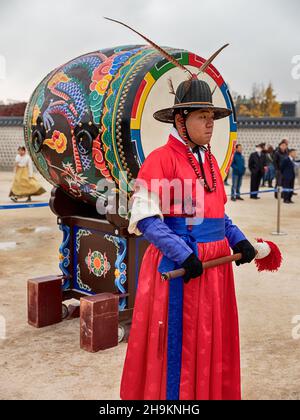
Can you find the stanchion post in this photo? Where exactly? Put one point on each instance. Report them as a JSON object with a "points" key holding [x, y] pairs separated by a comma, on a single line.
{"points": [[279, 201]]}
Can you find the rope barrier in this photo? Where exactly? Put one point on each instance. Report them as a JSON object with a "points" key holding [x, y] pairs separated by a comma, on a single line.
{"points": [[274, 190], [39, 205], [279, 190], [22, 206]]}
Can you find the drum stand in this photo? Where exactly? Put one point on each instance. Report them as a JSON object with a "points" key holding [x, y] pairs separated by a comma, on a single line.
{"points": [[100, 264]]}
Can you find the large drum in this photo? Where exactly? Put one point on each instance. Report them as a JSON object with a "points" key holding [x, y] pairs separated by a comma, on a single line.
{"points": [[92, 118]]}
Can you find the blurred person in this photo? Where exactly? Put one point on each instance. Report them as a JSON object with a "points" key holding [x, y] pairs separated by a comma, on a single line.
{"points": [[257, 167], [24, 183], [289, 175], [238, 171], [280, 155], [270, 173], [286, 142]]}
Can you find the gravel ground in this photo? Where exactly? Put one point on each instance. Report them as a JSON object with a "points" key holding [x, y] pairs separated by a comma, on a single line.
{"points": [[48, 363]]}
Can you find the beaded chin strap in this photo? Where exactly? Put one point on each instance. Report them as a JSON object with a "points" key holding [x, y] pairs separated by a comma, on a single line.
{"points": [[201, 175]]}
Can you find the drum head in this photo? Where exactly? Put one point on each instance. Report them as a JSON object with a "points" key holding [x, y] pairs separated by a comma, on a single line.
{"points": [[149, 134]]}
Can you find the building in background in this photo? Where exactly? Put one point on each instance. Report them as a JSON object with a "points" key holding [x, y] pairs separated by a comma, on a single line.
{"points": [[289, 109], [12, 109], [11, 137], [298, 109], [253, 131]]}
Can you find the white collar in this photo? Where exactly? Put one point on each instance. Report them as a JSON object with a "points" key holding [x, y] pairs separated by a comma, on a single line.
{"points": [[175, 134], [22, 158]]}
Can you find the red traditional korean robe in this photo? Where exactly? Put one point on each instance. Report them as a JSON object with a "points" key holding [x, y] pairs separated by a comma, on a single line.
{"points": [[210, 345]]}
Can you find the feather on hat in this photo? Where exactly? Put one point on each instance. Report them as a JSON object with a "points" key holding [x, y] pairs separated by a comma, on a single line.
{"points": [[192, 94]]}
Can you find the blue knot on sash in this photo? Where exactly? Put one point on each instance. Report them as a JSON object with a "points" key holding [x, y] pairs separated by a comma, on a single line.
{"points": [[210, 230]]}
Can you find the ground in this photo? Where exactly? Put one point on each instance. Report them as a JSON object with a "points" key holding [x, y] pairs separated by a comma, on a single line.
{"points": [[48, 363]]}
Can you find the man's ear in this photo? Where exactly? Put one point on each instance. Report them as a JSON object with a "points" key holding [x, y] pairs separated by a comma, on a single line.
{"points": [[176, 121]]}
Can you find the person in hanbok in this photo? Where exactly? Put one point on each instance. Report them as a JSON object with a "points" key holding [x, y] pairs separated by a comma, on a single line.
{"points": [[184, 338], [25, 185]]}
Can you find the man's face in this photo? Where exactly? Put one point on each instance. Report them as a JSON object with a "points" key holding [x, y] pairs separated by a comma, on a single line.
{"points": [[239, 149], [200, 125], [293, 154]]}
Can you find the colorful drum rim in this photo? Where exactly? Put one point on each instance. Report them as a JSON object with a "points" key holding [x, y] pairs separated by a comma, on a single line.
{"points": [[147, 84]]}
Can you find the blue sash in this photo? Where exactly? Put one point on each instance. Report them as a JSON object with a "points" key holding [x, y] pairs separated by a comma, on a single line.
{"points": [[210, 230]]}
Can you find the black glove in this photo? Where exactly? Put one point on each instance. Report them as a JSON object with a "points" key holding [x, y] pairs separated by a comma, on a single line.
{"points": [[247, 250], [193, 267]]}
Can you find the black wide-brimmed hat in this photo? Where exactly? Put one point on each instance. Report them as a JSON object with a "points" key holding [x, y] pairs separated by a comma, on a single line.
{"points": [[192, 95]]}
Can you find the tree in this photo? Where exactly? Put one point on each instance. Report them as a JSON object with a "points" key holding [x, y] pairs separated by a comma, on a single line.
{"points": [[262, 103], [270, 106]]}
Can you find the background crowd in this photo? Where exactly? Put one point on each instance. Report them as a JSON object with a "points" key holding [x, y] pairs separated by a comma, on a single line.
{"points": [[268, 166]]}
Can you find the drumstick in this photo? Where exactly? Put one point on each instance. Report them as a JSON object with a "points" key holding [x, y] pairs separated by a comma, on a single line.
{"points": [[267, 258], [208, 264]]}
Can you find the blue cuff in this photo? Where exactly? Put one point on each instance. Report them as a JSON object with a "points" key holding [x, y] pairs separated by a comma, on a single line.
{"points": [[233, 233], [160, 235]]}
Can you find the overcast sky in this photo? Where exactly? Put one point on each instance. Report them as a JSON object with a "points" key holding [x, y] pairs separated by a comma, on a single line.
{"points": [[39, 35]]}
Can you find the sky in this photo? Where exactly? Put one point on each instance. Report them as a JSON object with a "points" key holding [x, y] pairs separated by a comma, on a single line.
{"points": [[36, 36]]}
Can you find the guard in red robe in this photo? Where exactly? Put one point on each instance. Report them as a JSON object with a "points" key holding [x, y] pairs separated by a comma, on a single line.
{"points": [[184, 340]]}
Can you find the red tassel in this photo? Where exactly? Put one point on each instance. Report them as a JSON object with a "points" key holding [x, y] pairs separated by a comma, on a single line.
{"points": [[273, 261]]}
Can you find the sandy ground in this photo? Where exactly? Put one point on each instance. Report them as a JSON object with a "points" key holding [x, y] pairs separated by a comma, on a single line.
{"points": [[48, 363]]}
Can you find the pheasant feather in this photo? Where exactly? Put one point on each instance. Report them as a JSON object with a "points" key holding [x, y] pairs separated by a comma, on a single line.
{"points": [[164, 53], [211, 59]]}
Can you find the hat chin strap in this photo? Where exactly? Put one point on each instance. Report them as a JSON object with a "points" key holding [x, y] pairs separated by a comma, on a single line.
{"points": [[187, 135]]}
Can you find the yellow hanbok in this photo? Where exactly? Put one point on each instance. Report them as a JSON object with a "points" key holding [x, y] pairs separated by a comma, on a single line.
{"points": [[24, 183]]}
